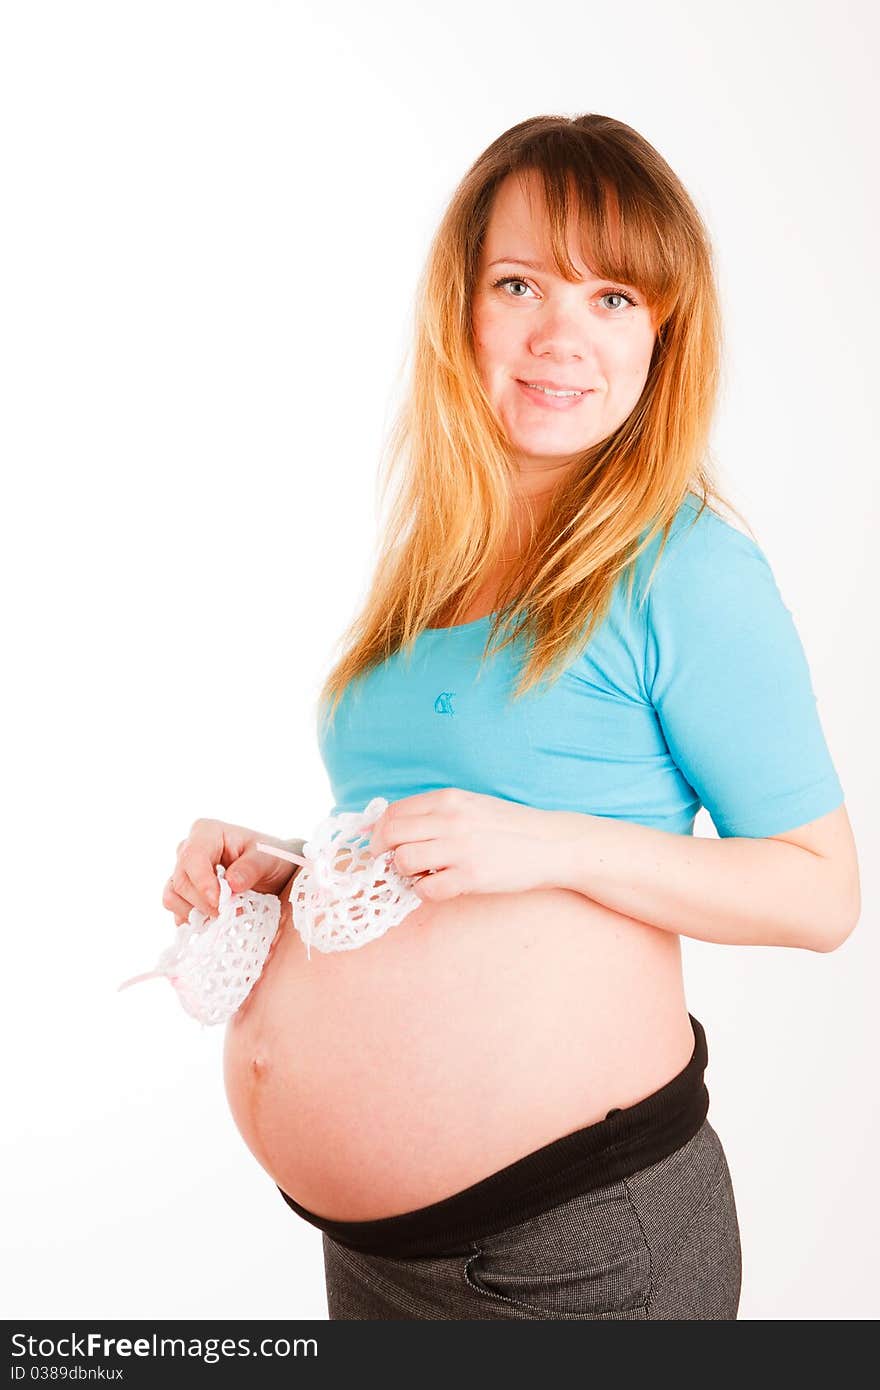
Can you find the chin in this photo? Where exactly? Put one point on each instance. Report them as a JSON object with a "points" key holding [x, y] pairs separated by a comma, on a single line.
{"points": [[545, 452]]}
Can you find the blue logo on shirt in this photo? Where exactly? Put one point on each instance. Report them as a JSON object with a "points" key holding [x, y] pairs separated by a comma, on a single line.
{"points": [[443, 703]]}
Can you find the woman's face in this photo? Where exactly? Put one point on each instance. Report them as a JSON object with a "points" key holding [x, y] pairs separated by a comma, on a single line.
{"points": [[537, 327]]}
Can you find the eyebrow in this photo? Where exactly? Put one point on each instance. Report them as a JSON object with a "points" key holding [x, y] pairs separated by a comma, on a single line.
{"points": [[514, 260], [532, 265]]}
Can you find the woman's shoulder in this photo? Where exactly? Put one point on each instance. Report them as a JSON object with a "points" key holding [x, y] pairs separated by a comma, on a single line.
{"points": [[703, 548], [703, 524]]}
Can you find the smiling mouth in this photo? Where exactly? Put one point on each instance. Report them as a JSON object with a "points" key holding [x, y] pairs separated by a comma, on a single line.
{"points": [[543, 399], [561, 393]]}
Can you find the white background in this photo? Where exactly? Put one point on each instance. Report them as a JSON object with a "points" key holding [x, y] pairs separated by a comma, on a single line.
{"points": [[215, 215]]}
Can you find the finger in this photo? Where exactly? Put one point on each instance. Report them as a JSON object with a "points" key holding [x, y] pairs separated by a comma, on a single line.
{"points": [[205, 881], [184, 885], [251, 867], [176, 904], [242, 873], [195, 863], [390, 832], [411, 860], [437, 885]]}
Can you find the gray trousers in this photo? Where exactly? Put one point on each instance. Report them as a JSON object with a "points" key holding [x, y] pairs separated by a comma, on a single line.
{"points": [[660, 1244]]}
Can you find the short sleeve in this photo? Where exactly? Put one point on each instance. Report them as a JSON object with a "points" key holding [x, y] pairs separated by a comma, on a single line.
{"points": [[727, 675]]}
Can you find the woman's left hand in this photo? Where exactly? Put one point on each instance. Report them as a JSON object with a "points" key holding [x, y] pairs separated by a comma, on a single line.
{"points": [[465, 842]]}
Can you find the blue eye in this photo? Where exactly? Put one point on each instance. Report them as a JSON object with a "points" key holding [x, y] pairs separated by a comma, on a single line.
{"points": [[606, 294], [618, 294], [509, 280]]}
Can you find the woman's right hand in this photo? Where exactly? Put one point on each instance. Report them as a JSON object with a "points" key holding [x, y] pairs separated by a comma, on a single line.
{"points": [[193, 882]]}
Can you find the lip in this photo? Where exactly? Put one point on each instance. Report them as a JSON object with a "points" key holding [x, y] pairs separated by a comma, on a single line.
{"points": [[553, 402], [551, 385]]}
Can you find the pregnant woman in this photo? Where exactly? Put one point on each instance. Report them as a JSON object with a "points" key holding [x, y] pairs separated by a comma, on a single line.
{"points": [[498, 1108]]}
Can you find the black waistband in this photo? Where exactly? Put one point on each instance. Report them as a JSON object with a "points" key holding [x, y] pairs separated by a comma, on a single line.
{"points": [[616, 1147]]}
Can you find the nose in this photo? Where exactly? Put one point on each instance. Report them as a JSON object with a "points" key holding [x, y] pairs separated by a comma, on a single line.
{"points": [[563, 335]]}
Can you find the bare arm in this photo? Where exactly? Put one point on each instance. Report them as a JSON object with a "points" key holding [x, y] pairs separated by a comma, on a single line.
{"points": [[801, 889]]}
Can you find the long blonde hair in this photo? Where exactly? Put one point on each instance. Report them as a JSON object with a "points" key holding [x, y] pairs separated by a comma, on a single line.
{"points": [[448, 453]]}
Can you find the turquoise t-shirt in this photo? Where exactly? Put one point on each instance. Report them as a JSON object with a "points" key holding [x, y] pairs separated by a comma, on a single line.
{"points": [[702, 698]]}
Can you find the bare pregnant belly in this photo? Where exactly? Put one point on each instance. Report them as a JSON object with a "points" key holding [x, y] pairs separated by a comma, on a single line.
{"points": [[374, 1081]]}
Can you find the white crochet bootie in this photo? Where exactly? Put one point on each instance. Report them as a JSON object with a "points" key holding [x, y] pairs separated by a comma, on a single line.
{"points": [[214, 963], [343, 898]]}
